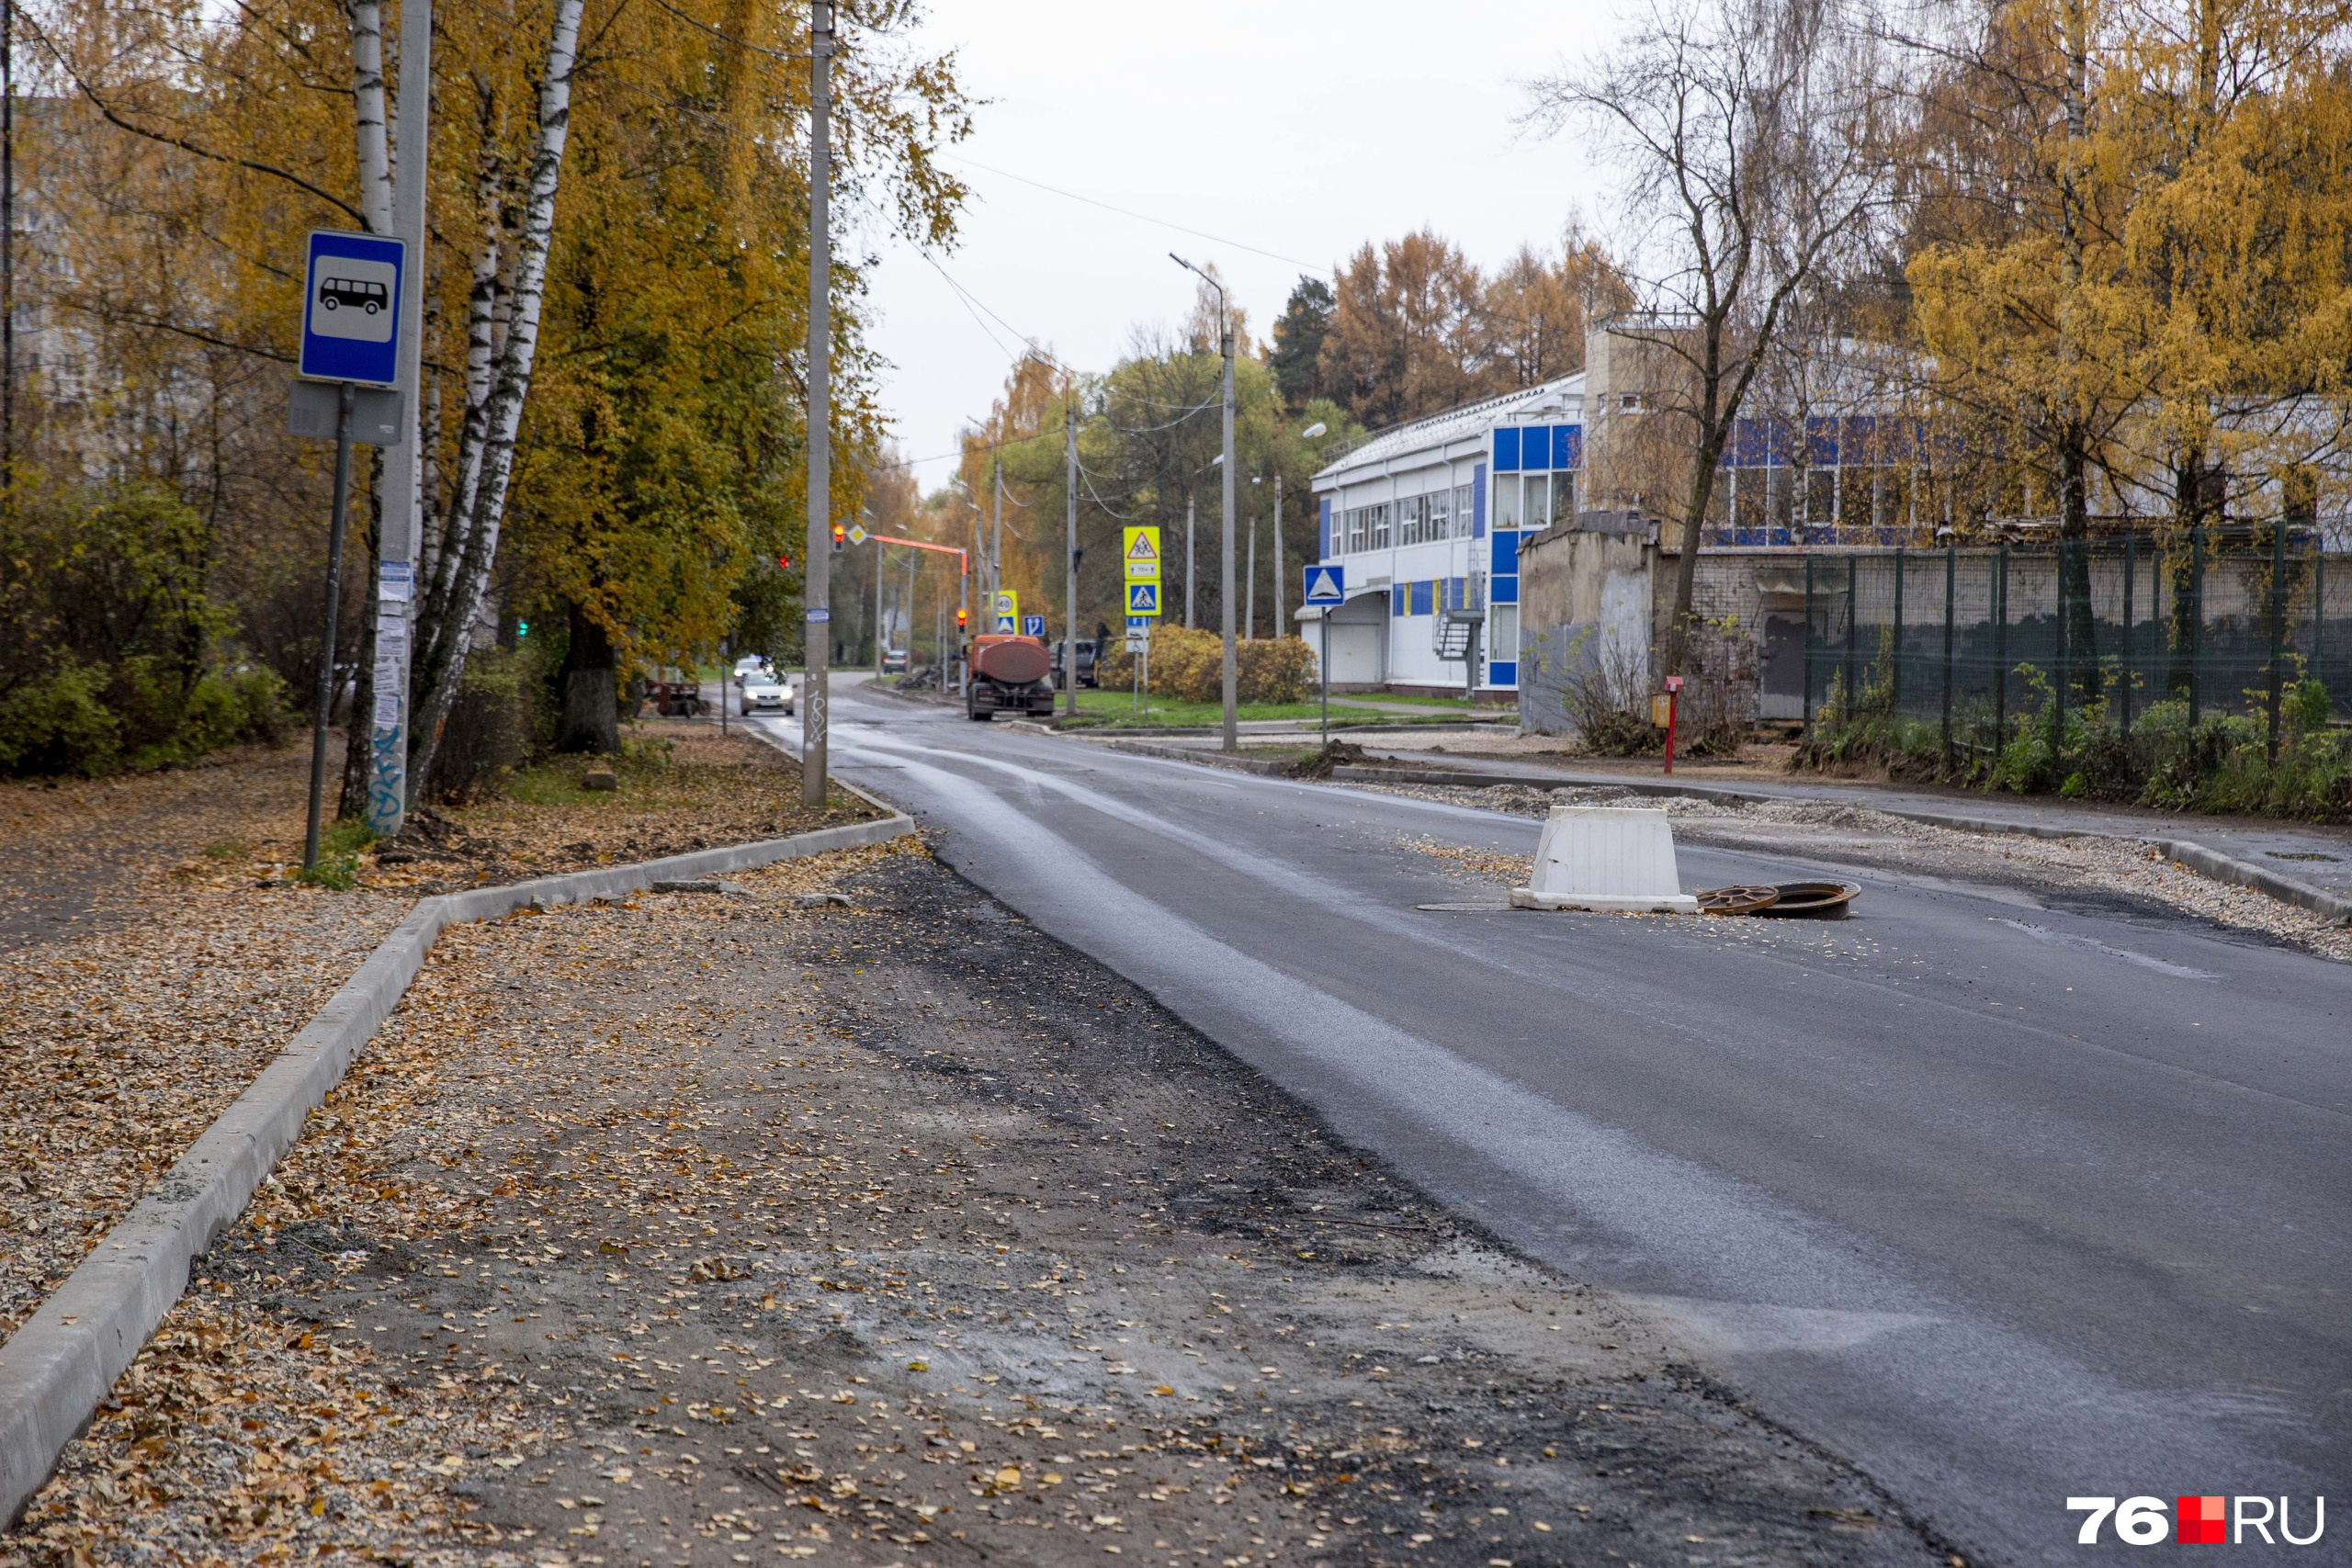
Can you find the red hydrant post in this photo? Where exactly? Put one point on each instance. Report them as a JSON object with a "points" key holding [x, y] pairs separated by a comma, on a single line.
{"points": [[1673, 702]]}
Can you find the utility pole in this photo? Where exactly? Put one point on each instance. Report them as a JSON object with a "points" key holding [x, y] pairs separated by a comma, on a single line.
{"points": [[1187, 563], [817, 594], [1224, 347], [996, 553], [399, 544], [1070, 558], [1279, 622], [8, 251], [1249, 594], [881, 629]]}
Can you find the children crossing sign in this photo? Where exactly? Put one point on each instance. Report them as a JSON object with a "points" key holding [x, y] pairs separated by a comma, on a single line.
{"points": [[1140, 557]]}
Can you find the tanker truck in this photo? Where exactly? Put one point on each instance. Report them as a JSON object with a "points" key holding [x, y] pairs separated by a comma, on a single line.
{"points": [[1010, 674]]}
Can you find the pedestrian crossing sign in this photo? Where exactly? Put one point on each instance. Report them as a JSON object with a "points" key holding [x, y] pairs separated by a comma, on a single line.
{"points": [[1139, 558], [1143, 599]]}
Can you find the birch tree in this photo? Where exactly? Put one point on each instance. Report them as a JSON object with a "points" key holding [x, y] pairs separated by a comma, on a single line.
{"points": [[1753, 138], [486, 458]]}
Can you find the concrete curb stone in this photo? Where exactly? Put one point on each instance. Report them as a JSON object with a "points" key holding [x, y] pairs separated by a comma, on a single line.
{"points": [[56, 1369]]}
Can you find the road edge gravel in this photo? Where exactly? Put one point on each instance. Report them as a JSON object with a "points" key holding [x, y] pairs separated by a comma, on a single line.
{"points": [[58, 1366], [2197, 857]]}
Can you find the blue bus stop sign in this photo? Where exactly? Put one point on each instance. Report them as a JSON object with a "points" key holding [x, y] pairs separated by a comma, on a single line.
{"points": [[351, 308]]}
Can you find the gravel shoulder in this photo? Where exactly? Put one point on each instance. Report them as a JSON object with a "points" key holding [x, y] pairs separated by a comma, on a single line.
{"points": [[154, 956], [724, 1230], [2098, 875], [143, 983]]}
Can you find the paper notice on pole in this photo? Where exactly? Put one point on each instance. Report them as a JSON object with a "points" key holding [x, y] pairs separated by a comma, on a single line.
{"points": [[395, 581], [388, 683], [392, 636]]}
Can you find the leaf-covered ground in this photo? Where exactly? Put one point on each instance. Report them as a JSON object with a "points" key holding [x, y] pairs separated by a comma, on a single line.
{"points": [[713, 1230]]}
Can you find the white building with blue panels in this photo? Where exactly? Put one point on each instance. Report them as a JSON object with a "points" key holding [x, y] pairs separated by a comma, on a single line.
{"points": [[1428, 517]]}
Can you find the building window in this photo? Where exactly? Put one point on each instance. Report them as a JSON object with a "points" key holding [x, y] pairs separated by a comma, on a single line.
{"points": [[1628, 402], [1379, 526], [1537, 509], [1506, 501], [1439, 514], [1464, 511], [1504, 620], [1563, 496]]}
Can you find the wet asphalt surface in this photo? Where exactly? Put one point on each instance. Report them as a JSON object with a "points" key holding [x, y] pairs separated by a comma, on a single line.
{"points": [[2000, 1196]]}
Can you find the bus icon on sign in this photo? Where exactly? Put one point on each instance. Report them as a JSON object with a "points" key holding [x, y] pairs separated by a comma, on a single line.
{"points": [[351, 308], [354, 293]]}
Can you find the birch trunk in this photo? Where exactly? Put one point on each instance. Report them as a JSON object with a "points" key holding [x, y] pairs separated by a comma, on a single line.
{"points": [[442, 659], [368, 120]]}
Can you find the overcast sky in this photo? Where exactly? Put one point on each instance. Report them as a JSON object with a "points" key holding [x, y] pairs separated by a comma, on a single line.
{"points": [[1298, 130]]}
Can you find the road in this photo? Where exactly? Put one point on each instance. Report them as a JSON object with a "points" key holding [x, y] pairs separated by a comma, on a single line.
{"points": [[2002, 1210]]}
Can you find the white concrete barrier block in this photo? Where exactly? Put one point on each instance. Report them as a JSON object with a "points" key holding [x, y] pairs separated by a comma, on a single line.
{"points": [[1607, 859]]}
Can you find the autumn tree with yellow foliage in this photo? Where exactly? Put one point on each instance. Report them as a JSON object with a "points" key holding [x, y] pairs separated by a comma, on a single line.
{"points": [[615, 285]]}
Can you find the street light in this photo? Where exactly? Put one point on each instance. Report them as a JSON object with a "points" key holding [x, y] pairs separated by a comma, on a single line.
{"points": [[1224, 461], [1311, 431]]}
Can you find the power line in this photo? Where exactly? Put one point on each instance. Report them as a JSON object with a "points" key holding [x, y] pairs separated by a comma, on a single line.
{"points": [[1143, 217]]}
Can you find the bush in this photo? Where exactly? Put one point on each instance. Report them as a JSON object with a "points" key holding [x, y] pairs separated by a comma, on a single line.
{"points": [[57, 724], [488, 732], [1189, 665], [1608, 696]]}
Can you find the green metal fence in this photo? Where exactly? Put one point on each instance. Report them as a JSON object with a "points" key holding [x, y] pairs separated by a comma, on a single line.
{"points": [[1982, 640]]}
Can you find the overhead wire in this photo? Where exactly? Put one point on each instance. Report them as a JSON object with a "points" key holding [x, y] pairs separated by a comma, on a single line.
{"points": [[1139, 217]]}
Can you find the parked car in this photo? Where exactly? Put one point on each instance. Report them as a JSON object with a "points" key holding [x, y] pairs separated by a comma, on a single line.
{"points": [[765, 694], [1086, 652]]}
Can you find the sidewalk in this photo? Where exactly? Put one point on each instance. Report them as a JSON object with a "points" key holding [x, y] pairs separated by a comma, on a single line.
{"points": [[711, 1230]]}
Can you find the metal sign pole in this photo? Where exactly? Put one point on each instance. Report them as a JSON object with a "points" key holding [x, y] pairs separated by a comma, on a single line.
{"points": [[326, 650], [1326, 677]]}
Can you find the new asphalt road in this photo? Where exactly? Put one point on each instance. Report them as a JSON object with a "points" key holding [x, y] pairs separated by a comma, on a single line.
{"points": [[2005, 1204]]}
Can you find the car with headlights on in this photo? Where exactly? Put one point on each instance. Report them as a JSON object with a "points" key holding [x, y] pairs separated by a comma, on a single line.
{"points": [[765, 694]]}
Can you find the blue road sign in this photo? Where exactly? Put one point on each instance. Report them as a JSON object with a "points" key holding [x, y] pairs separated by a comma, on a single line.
{"points": [[1143, 599], [1005, 628], [351, 308], [1326, 584], [1033, 626], [1139, 626]]}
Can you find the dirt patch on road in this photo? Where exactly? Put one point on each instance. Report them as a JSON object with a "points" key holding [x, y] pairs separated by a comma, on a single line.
{"points": [[2098, 874], [704, 1230]]}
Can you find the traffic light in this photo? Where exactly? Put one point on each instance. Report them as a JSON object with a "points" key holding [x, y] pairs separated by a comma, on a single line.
{"points": [[963, 620], [841, 539]]}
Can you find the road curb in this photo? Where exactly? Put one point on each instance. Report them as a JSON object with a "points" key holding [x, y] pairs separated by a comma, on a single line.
{"points": [[1263, 766], [2186, 852], [56, 1369]]}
